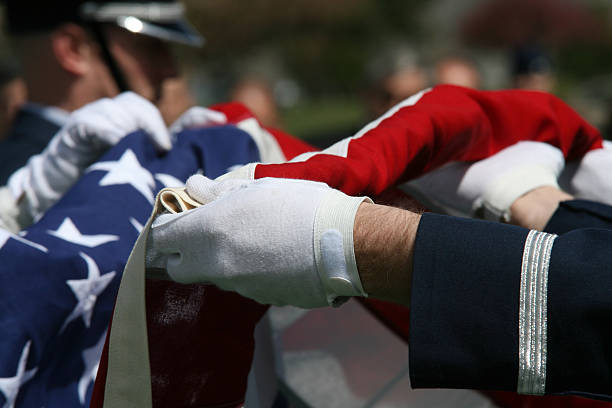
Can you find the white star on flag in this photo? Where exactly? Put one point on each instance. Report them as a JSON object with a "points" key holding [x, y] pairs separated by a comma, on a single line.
{"points": [[91, 358], [127, 170], [168, 180], [5, 236], [9, 387], [87, 291], [136, 224], [69, 232]]}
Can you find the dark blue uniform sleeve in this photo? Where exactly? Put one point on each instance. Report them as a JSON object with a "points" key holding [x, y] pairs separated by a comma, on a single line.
{"points": [[575, 214], [499, 307], [28, 136]]}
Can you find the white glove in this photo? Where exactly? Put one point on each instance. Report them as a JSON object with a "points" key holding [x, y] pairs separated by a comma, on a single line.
{"points": [[198, 116], [9, 211], [589, 178], [488, 188], [89, 132], [276, 241]]}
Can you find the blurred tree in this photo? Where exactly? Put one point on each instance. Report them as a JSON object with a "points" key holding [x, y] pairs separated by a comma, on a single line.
{"points": [[512, 23], [325, 44]]}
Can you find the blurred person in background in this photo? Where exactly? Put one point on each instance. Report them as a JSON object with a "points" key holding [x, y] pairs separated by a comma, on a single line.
{"points": [[257, 95], [391, 75], [532, 69], [12, 94], [76, 51], [395, 75], [457, 70]]}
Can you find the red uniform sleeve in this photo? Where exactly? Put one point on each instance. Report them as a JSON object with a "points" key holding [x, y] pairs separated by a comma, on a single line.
{"points": [[434, 127]]}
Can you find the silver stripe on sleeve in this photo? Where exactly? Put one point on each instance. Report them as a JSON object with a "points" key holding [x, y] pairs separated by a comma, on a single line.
{"points": [[533, 313]]}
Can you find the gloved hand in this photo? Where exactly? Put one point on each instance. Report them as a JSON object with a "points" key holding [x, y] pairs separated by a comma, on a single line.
{"points": [[8, 211], [276, 241], [89, 132], [589, 178], [488, 188], [197, 116]]}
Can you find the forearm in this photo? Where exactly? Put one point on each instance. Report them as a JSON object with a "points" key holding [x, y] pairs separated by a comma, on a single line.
{"points": [[474, 311], [384, 240], [534, 209]]}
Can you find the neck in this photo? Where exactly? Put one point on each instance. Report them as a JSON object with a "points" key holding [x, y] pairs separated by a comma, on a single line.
{"points": [[66, 94]]}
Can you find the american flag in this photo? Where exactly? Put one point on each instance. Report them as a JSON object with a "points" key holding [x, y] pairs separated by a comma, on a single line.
{"points": [[59, 278]]}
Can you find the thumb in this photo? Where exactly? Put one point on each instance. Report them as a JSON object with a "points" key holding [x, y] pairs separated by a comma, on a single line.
{"points": [[205, 190], [197, 116], [147, 117]]}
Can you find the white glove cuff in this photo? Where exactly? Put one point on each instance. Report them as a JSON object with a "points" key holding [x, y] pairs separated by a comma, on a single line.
{"points": [[333, 246], [495, 203]]}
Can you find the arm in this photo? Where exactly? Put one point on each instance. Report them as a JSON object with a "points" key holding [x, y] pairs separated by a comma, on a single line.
{"points": [[464, 281], [472, 311], [552, 210], [384, 255], [384, 240], [534, 209]]}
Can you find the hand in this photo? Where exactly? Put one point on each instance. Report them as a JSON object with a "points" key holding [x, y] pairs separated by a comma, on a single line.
{"points": [[589, 178], [103, 123], [276, 241], [246, 172], [9, 211], [488, 187], [197, 116], [89, 132]]}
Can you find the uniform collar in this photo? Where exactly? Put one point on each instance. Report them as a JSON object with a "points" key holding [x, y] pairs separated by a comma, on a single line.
{"points": [[53, 114]]}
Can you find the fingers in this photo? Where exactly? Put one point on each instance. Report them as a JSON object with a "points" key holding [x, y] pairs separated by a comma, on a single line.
{"points": [[96, 125], [246, 172], [167, 233], [589, 178], [198, 116], [147, 117], [205, 190]]}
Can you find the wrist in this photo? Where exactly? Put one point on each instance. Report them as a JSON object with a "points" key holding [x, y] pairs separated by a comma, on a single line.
{"points": [[384, 242], [496, 202], [533, 209], [334, 246]]}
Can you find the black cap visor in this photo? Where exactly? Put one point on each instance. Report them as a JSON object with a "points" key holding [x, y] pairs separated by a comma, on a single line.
{"points": [[180, 32]]}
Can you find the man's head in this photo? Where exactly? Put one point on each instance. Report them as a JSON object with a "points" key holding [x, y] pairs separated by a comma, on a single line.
{"points": [[395, 74], [532, 69], [76, 51], [457, 70]]}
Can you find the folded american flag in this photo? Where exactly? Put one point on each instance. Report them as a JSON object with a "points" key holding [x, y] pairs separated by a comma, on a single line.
{"points": [[59, 278]]}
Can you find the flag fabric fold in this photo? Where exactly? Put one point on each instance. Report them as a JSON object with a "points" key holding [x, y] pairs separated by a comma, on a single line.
{"points": [[60, 278]]}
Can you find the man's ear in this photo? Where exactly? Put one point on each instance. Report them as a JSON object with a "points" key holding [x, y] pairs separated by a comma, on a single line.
{"points": [[73, 48]]}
